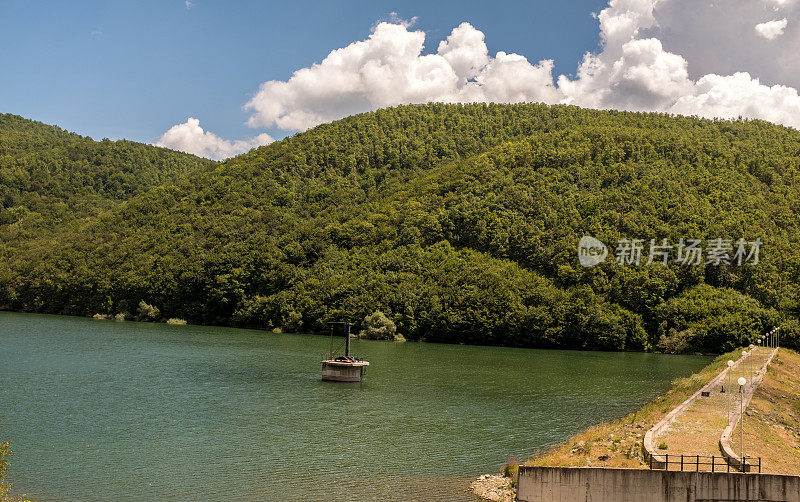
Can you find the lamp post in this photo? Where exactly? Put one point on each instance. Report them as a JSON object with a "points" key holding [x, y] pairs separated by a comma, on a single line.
{"points": [[743, 363], [742, 381]]}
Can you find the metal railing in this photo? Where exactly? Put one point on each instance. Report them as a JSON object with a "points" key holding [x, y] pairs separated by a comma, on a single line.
{"points": [[703, 463]]}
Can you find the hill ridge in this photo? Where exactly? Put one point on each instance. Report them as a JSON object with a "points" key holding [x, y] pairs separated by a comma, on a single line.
{"points": [[460, 222]]}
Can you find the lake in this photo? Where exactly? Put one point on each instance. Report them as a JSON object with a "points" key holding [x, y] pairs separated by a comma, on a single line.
{"points": [[112, 411]]}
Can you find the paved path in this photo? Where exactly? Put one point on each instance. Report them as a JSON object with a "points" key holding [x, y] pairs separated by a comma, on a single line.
{"points": [[697, 431], [696, 426], [736, 414]]}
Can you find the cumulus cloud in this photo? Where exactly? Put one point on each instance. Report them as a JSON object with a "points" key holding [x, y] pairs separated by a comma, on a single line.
{"points": [[676, 56], [718, 37], [633, 71], [644, 77], [394, 18], [741, 95], [189, 137], [771, 29], [389, 68]]}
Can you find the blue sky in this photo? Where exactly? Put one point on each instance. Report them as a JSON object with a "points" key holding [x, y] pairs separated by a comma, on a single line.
{"points": [[140, 69], [132, 69]]}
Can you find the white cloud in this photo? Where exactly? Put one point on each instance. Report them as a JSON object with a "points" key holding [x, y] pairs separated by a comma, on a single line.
{"points": [[189, 137], [741, 95], [389, 69], [395, 18], [771, 29], [644, 77], [634, 71], [718, 37], [631, 72], [677, 56]]}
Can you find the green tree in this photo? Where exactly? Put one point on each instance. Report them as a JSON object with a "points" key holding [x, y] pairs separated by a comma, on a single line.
{"points": [[379, 327]]}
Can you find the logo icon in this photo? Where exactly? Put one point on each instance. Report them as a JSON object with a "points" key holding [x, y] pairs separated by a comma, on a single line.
{"points": [[591, 251]]}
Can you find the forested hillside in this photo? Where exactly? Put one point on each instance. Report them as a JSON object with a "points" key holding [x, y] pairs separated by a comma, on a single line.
{"points": [[49, 176], [460, 222]]}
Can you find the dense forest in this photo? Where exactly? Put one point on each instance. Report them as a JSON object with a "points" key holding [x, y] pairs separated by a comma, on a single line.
{"points": [[49, 176], [459, 222]]}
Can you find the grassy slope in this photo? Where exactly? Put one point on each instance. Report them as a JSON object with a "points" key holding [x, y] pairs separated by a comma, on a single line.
{"points": [[772, 428], [772, 421], [621, 440]]}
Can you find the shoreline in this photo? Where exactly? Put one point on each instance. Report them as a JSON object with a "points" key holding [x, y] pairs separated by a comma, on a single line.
{"points": [[109, 318], [619, 443]]}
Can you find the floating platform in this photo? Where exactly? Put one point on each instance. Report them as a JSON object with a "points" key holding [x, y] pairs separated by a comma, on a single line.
{"points": [[334, 370]]}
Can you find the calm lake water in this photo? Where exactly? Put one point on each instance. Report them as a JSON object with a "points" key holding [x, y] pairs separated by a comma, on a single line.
{"points": [[106, 411]]}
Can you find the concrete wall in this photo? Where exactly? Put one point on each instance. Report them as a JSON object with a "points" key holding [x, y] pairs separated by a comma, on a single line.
{"points": [[342, 372], [576, 484]]}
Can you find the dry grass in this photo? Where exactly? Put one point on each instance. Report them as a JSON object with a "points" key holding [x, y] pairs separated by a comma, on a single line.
{"points": [[619, 443], [698, 430], [772, 421]]}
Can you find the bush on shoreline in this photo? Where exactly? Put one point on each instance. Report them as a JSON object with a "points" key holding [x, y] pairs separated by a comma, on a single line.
{"points": [[5, 486], [5, 452], [379, 327]]}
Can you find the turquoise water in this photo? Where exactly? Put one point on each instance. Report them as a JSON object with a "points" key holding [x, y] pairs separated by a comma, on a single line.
{"points": [[107, 411]]}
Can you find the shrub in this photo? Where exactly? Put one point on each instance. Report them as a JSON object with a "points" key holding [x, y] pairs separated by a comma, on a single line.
{"points": [[676, 342], [5, 487], [379, 327], [175, 320], [293, 322], [790, 334], [147, 312], [511, 468], [5, 452]]}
